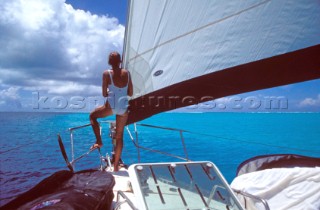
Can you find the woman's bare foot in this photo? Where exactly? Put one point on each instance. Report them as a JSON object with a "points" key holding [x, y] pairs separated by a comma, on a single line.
{"points": [[96, 146], [119, 166]]}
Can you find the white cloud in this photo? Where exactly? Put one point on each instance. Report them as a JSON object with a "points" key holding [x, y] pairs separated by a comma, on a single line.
{"points": [[10, 93], [307, 102], [48, 45], [10, 98], [76, 89]]}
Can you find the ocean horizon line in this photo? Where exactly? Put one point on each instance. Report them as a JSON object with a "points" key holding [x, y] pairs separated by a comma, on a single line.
{"points": [[167, 112]]}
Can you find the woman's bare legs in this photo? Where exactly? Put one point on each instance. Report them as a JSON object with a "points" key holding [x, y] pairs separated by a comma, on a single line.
{"points": [[121, 121], [100, 112]]}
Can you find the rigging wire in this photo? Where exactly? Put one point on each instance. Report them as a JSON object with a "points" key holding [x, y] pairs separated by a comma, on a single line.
{"points": [[191, 132], [258, 143], [23, 145], [233, 139]]}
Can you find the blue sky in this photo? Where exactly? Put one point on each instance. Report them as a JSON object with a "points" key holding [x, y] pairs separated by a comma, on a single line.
{"points": [[113, 8], [56, 51]]}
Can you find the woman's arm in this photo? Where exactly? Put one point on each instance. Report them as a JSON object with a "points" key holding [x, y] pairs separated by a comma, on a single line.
{"points": [[130, 86], [105, 83]]}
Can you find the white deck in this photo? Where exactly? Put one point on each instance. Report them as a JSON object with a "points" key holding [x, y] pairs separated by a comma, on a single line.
{"points": [[123, 184]]}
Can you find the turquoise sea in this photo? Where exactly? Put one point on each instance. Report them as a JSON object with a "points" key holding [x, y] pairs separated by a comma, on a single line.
{"points": [[30, 152]]}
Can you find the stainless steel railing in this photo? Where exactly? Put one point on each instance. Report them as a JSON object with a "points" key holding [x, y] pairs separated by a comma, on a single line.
{"points": [[138, 146], [135, 141], [245, 194]]}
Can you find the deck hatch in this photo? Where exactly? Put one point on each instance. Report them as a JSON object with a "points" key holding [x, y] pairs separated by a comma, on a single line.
{"points": [[187, 185]]}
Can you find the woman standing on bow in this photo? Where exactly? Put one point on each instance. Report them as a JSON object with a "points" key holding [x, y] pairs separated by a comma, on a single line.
{"points": [[117, 87]]}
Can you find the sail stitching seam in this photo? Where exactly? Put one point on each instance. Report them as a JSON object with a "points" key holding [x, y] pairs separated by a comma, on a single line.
{"points": [[200, 28]]}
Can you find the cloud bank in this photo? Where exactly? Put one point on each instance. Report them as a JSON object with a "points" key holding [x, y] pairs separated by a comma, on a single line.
{"points": [[51, 47], [310, 102]]}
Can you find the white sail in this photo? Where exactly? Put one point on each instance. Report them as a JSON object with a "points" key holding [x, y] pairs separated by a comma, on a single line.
{"points": [[173, 41]]}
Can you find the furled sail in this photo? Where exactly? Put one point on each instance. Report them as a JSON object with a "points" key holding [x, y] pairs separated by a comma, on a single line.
{"points": [[182, 52]]}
